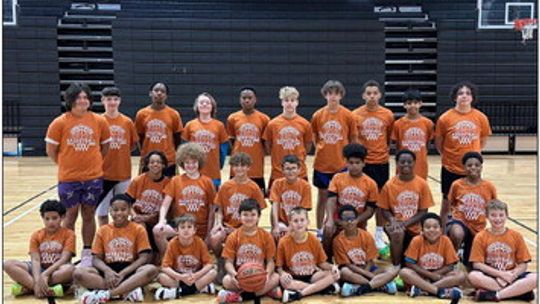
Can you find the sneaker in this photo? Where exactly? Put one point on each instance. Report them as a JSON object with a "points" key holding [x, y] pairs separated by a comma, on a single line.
{"points": [[79, 291], [95, 297], [165, 293], [528, 296], [400, 285], [227, 296], [349, 289], [86, 258], [335, 289], [384, 253], [320, 234], [484, 295], [209, 289], [415, 292], [290, 295], [380, 243], [452, 293], [275, 293], [390, 288], [460, 254], [57, 290], [136, 295], [16, 289]]}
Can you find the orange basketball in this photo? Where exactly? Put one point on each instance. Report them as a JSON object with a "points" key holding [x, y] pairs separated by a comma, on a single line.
{"points": [[251, 277]]}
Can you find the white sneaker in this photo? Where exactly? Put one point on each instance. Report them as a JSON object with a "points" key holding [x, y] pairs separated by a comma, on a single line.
{"points": [[95, 297], [136, 295], [165, 293], [380, 243], [86, 258], [209, 289]]}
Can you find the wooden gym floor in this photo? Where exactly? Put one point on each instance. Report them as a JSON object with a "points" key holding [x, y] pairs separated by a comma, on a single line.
{"points": [[29, 181]]}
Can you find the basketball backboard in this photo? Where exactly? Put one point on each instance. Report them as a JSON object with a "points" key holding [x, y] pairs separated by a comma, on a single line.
{"points": [[500, 14]]}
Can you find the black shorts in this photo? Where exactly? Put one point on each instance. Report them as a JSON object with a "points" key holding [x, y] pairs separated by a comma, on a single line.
{"points": [[380, 173], [322, 180], [447, 178], [467, 240], [107, 186], [303, 278], [170, 171], [117, 267]]}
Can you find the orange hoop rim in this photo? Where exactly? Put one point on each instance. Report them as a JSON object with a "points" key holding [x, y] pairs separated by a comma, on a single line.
{"points": [[519, 24]]}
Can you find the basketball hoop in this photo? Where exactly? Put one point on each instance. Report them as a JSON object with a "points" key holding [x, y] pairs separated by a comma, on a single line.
{"points": [[526, 26]]}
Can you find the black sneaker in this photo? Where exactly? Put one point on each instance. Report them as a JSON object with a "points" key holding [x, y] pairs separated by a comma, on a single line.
{"points": [[528, 296], [291, 295], [483, 295]]}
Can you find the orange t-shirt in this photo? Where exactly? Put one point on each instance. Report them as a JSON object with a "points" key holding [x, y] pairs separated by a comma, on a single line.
{"points": [[194, 196], [300, 259], [231, 194], [469, 202], [79, 141], [242, 248], [148, 194], [431, 256], [414, 135], [358, 250], [288, 136], [210, 136], [354, 191], [247, 131], [186, 259], [374, 129], [502, 252], [404, 199], [289, 195], [51, 246], [332, 132], [117, 161], [461, 133], [158, 129], [120, 245]]}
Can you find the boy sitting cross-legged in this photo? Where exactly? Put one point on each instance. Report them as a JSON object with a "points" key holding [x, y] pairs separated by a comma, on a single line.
{"points": [[354, 251]]}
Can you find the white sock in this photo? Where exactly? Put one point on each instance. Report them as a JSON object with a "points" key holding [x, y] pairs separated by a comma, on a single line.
{"points": [[379, 232]]}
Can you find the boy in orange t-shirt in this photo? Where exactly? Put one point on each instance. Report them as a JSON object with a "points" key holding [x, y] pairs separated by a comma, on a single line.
{"points": [[286, 134], [375, 124], [77, 141], [187, 267], [245, 129], [500, 258], [189, 193], [333, 126], [403, 200], [469, 197], [210, 134], [301, 261], [51, 250], [121, 255], [117, 161], [414, 131], [355, 250], [288, 192], [459, 130], [159, 126], [249, 244], [350, 188], [430, 263]]}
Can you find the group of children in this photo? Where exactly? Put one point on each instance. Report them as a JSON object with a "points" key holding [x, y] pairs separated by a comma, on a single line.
{"points": [[165, 226]]}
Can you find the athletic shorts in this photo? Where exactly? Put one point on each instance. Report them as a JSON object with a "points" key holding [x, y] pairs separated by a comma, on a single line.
{"points": [[380, 173], [322, 180], [110, 189], [303, 278], [29, 265], [117, 267], [170, 171], [467, 240], [73, 193], [447, 178]]}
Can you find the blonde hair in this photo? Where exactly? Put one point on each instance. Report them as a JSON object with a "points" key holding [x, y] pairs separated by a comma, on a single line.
{"points": [[185, 218], [190, 150], [297, 211], [212, 101], [286, 92], [497, 205]]}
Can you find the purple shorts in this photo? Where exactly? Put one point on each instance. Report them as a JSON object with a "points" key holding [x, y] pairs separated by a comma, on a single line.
{"points": [[87, 192]]}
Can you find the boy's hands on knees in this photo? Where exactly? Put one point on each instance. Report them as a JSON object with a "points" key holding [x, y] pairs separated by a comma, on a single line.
{"points": [[335, 272], [501, 282], [285, 279], [111, 279]]}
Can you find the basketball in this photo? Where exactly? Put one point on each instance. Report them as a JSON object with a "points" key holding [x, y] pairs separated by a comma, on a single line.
{"points": [[251, 277]]}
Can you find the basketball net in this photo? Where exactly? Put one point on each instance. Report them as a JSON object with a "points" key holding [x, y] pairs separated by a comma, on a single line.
{"points": [[526, 26]]}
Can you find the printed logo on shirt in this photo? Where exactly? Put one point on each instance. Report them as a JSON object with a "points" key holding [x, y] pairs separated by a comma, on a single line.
{"points": [[249, 253], [352, 196], [414, 139], [290, 199], [248, 135], [407, 204], [499, 256], [192, 198], [331, 132], [119, 249], [50, 252], [372, 128], [187, 264], [206, 139], [303, 263], [81, 138], [473, 206], [357, 256], [431, 261], [464, 132], [156, 130], [288, 138], [234, 204], [118, 137], [149, 202]]}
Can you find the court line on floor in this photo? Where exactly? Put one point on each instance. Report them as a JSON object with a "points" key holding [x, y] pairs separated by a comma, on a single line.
{"points": [[13, 220], [29, 200]]}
